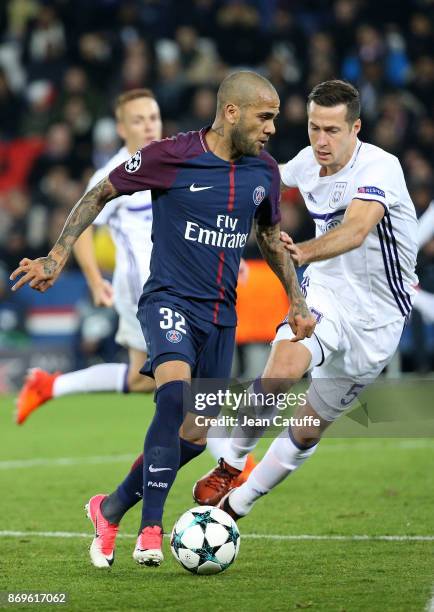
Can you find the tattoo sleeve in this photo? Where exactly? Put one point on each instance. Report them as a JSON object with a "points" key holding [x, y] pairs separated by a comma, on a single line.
{"points": [[279, 260], [82, 215]]}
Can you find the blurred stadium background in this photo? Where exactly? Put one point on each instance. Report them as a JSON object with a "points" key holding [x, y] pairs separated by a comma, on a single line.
{"points": [[63, 62]]}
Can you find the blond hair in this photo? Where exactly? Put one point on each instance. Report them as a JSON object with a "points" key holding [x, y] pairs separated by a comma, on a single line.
{"points": [[132, 94]]}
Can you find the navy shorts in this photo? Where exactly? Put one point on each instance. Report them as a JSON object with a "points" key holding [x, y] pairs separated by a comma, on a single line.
{"points": [[172, 333]]}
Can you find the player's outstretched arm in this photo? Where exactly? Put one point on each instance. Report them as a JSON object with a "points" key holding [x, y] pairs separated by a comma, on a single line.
{"points": [[360, 218], [300, 318], [42, 273]]}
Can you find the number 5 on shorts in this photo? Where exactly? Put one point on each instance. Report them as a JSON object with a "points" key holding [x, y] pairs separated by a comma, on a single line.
{"points": [[167, 322], [351, 394]]}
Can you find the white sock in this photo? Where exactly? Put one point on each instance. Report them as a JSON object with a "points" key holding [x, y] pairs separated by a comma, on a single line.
{"points": [[282, 458], [101, 377], [217, 441], [244, 438]]}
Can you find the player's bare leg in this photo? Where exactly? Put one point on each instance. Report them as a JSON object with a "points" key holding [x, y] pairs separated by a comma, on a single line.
{"points": [[138, 383], [192, 432], [170, 371], [287, 363]]}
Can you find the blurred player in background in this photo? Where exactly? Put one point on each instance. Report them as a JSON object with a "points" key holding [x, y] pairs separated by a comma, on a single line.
{"points": [[359, 283], [129, 218], [208, 187]]}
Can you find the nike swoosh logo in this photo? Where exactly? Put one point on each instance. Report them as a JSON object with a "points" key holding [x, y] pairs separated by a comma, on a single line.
{"points": [[194, 188], [154, 469]]}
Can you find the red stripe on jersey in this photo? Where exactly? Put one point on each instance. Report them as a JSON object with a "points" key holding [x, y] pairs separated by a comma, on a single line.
{"points": [[231, 187], [220, 267], [231, 201], [221, 288], [217, 304]]}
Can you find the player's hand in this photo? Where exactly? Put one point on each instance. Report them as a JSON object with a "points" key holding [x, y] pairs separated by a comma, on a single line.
{"points": [[40, 274], [301, 320], [286, 239], [294, 250], [243, 272], [102, 293]]}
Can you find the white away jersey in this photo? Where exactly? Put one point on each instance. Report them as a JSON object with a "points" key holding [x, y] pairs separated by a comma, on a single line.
{"points": [[130, 221], [374, 283]]}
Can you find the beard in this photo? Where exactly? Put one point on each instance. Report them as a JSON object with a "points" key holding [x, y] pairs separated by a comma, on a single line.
{"points": [[241, 145]]}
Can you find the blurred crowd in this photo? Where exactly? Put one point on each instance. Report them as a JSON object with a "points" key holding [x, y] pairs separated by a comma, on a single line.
{"points": [[63, 62]]}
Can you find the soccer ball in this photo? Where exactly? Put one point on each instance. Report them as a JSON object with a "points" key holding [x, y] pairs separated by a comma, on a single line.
{"points": [[205, 540]]}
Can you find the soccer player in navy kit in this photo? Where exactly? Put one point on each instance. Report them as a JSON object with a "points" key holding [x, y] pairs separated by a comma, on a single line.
{"points": [[207, 188]]}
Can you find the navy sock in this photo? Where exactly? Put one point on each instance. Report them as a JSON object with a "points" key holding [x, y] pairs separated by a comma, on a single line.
{"points": [[189, 450], [130, 491], [162, 451]]}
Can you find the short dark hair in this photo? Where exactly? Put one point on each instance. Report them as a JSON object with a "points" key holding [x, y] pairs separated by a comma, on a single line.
{"points": [[335, 92], [132, 94]]}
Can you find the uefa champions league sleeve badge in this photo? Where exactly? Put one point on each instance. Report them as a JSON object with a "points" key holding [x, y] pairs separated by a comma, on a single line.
{"points": [[134, 163]]}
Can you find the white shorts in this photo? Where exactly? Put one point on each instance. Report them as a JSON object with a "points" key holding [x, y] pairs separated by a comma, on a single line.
{"points": [[351, 357], [129, 332]]}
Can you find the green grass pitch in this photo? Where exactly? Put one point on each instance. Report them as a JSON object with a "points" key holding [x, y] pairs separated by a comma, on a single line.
{"points": [[82, 445]]}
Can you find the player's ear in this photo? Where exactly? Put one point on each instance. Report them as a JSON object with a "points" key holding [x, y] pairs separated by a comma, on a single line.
{"points": [[357, 125], [232, 113]]}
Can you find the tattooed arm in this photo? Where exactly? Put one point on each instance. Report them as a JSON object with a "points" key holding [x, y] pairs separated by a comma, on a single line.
{"points": [[273, 250], [42, 273]]}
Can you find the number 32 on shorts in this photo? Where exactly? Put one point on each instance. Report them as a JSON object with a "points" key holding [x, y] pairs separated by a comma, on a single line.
{"points": [[172, 320]]}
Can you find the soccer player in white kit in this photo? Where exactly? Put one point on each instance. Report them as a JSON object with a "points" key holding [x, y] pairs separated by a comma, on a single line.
{"points": [[130, 221], [359, 284]]}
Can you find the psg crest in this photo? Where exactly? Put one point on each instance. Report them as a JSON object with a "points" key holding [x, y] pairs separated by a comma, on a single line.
{"points": [[174, 336], [258, 195], [133, 164]]}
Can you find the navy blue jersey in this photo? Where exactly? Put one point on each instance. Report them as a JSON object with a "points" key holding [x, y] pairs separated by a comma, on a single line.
{"points": [[203, 209]]}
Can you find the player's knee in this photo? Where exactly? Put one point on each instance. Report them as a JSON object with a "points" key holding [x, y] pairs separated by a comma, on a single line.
{"points": [[280, 375]]}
